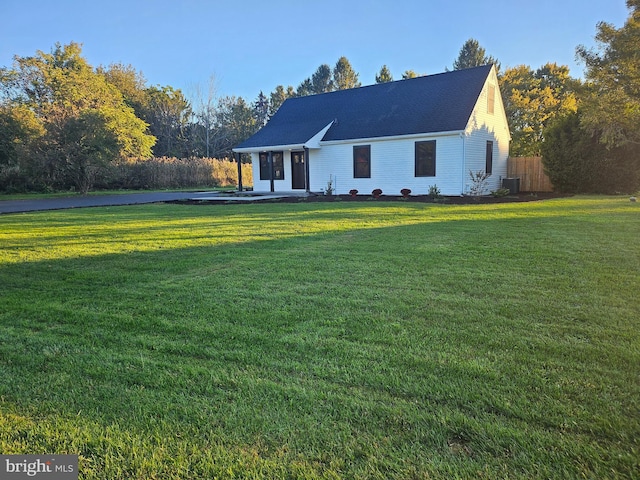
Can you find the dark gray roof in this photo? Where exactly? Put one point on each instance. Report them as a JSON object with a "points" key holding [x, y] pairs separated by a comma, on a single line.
{"points": [[435, 103]]}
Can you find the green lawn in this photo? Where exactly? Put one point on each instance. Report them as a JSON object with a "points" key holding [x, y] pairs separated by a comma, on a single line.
{"points": [[325, 340]]}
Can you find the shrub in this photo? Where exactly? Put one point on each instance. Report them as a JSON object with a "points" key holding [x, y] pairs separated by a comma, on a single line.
{"points": [[501, 192], [434, 192], [353, 192], [577, 162], [405, 192], [376, 192], [330, 187], [478, 182]]}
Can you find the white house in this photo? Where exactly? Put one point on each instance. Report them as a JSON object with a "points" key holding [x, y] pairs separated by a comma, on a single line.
{"points": [[415, 133]]}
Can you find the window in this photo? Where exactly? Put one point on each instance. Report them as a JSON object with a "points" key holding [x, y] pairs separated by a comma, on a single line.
{"points": [[488, 168], [491, 98], [426, 159], [278, 166], [362, 161]]}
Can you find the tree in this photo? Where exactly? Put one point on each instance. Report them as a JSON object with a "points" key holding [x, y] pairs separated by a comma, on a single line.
{"points": [[321, 81], [278, 96], [235, 122], [571, 156], [261, 110], [611, 108], [531, 99], [384, 76], [131, 84], [409, 74], [168, 112], [72, 122], [205, 113], [344, 76], [473, 55], [578, 162], [305, 88]]}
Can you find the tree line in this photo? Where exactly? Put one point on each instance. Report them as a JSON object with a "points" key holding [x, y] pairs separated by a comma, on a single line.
{"points": [[62, 121]]}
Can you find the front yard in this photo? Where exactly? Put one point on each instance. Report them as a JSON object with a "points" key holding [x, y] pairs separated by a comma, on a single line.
{"points": [[325, 340]]}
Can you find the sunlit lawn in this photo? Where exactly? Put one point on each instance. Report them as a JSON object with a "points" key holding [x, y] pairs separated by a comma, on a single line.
{"points": [[325, 340]]}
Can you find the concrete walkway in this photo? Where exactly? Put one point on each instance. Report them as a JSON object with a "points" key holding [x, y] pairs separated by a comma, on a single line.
{"points": [[17, 206]]}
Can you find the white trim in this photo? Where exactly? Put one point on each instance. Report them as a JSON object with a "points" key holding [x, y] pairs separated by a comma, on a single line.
{"points": [[393, 137], [273, 148], [314, 142]]}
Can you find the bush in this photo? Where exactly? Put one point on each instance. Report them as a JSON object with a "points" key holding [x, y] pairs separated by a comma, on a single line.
{"points": [[405, 192], [501, 192], [353, 192], [577, 162], [478, 182], [376, 192], [434, 192]]}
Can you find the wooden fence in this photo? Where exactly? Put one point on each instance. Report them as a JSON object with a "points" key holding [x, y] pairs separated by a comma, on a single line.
{"points": [[531, 174]]}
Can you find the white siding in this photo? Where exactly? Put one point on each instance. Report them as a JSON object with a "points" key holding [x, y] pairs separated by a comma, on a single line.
{"points": [[484, 126], [392, 166]]}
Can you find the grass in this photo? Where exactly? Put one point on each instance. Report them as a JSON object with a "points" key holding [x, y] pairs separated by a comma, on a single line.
{"points": [[326, 340]]}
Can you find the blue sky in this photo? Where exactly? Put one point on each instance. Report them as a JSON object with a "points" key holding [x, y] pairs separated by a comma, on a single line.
{"points": [[249, 46]]}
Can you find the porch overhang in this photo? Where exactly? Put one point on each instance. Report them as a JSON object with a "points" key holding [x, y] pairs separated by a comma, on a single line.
{"points": [[312, 143]]}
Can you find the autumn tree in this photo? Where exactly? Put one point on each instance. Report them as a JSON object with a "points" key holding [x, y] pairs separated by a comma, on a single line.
{"points": [[165, 109], [130, 82], [533, 98], [597, 149], [611, 108], [71, 121]]}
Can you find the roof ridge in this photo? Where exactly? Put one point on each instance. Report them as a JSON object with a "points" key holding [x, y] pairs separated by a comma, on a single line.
{"points": [[373, 85]]}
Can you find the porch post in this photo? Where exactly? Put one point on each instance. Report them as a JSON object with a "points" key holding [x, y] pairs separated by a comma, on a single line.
{"points": [[271, 185], [239, 160], [306, 169]]}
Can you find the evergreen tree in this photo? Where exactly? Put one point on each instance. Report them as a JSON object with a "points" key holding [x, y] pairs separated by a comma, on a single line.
{"points": [[577, 162], [344, 76], [278, 96], [261, 109], [473, 55], [305, 88], [384, 76], [321, 81]]}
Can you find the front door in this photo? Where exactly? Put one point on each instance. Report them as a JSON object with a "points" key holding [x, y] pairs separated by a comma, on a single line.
{"points": [[297, 171]]}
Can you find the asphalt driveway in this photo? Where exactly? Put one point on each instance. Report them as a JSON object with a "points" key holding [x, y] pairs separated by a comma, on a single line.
{"points": [[16, 206]]}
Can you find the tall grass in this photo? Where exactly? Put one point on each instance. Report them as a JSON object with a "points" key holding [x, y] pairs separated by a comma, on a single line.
{"points": [[160, 173], [325, 340]]}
